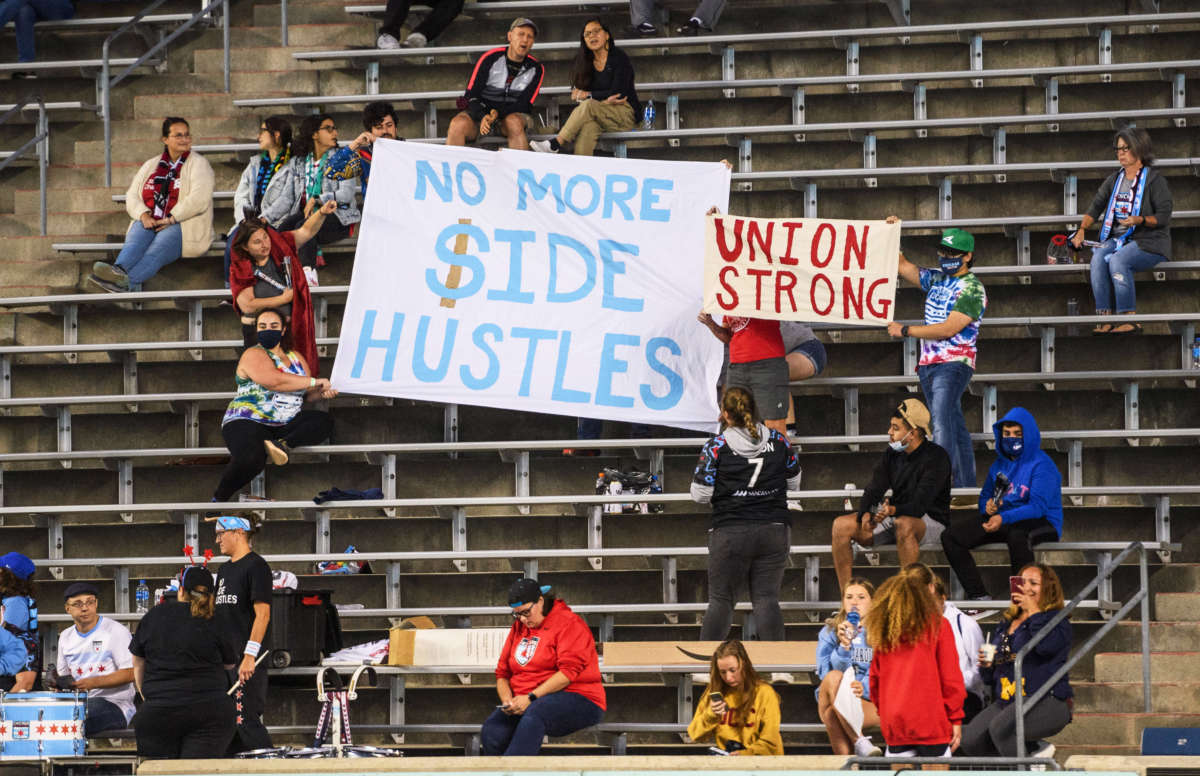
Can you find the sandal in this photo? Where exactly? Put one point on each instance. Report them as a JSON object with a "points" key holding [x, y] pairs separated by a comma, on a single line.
{"points": [[1103, 328], [1134, 328]]}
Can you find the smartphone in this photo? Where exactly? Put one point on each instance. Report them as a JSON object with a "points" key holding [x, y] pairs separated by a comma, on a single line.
{"points": [[1016, 584], [713, 697]]}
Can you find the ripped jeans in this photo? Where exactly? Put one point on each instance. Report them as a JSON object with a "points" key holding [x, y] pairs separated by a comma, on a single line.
{"points": [[1112, 274]]}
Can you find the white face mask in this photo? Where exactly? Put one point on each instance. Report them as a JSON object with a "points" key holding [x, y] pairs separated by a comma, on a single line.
{"points": [[898, 446]]}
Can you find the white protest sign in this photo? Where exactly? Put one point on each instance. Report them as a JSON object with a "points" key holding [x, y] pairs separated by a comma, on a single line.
{"points": [[538, 282], [801, 269]]}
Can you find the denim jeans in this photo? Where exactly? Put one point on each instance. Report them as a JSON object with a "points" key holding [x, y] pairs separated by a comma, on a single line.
{"points": [[23, 13], [1112, 274], [557, 714], [103, 715], [752, 553], [943, 385], [146, 252]]}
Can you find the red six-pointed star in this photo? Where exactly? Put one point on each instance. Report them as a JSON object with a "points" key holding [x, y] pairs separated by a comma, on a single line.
{"points": [[79, 671], [54, 728], [41, 729], [100, 668]]}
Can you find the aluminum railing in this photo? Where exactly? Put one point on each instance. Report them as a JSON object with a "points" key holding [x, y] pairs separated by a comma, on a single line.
{"points": [[107, 82], [1142, 596], [40, 141]]}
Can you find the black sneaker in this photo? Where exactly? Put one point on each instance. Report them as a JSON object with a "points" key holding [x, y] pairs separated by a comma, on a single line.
{"points": [[24, 75], [693, 27], [645, 30]]}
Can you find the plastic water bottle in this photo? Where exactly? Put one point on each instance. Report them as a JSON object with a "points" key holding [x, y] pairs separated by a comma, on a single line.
{"points": [[648, 114], [142, 597], [847, 504], [854, 618], [1196, 353]]}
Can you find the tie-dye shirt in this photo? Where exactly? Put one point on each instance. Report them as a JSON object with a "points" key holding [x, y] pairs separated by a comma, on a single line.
{"points": [[262, 405], [945, 294]]}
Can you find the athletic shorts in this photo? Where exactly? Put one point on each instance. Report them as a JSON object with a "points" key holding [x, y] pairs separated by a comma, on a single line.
{"points": [[814, 351], [932, 538], [767, 381]]}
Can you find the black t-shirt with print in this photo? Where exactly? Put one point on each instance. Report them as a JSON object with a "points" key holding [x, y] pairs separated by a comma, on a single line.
{"points": [[240, 585], [185, 656]]}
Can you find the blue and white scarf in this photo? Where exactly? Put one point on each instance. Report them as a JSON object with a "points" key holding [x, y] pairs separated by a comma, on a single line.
{"points": [[1139, 188]]}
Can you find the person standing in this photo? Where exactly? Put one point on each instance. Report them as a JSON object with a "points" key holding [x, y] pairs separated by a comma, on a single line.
{"points": [[21, 615], [1133, 207], [94, 653], [967, 638], [23, 14], [954, 305], [745, 473], [179, 664], [243, 614]]}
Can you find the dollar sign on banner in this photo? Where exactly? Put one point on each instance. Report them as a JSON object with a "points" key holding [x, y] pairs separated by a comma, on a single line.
{"points": [[454, 277]]}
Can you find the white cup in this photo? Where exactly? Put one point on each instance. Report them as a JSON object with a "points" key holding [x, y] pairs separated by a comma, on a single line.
{"points": [[987, 653]]}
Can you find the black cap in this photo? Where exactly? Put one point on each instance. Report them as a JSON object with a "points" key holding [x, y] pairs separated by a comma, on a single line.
{"points": [[525, 591], [196, 576], [80, 588]]}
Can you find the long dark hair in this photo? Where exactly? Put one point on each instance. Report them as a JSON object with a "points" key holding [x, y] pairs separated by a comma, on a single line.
{"points": [[251, 225], [302, 145], [279, 125], [583, 69], [11, 584]]}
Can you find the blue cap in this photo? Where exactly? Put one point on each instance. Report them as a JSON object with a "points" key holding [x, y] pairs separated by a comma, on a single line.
{"points": [[233, 523], [18, 564]]}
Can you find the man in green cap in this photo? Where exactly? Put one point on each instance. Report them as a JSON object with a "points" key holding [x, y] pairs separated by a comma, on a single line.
{"points": [[954, 305]]}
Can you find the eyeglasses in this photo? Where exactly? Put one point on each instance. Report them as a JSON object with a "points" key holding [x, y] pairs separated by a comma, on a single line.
{"points": [[86, 603], [1120, 148], [330, 128], [520, 614], [184, 136]]}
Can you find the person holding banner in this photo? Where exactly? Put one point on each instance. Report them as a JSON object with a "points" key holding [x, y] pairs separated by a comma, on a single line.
{"points": [[501, 91], [1135, 200], [745, 473], [954, 305]]}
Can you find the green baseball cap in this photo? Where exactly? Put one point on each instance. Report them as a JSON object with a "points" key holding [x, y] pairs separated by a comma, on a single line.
{"points": [[958, 240]]}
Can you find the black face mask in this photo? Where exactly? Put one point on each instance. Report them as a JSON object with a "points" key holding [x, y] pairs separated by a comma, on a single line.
{"points": [[269, 338]]}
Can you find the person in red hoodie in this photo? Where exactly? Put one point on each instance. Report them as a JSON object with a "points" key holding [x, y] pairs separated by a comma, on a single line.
{"points": [[916, 683], [548, 676]]}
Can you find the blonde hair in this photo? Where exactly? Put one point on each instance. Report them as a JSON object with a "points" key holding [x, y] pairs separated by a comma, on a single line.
{"points": [[1052, 597], [203, 605], [903, 612], [839, 616], [738, 407], [750, 680]]}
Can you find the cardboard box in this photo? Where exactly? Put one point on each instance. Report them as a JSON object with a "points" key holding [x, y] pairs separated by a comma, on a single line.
{"points": [[421, 644], [674, 653]]}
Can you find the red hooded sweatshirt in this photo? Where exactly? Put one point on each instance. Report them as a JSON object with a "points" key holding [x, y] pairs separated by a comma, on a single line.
{"points": [[564, 643], [918, 689]]}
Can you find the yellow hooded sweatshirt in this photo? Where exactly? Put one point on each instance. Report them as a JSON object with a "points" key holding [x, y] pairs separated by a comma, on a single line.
{"points": [[760, 735]]}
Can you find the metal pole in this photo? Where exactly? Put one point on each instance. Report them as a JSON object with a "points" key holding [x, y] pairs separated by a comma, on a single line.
{"points": [[43, 128], [283, 24], [1019, 704], [106, 113], [225, 35], [1144, 582]]}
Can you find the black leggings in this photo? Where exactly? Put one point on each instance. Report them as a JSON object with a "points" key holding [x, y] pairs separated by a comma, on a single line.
{"points": [[248, 457], [965, 534]]}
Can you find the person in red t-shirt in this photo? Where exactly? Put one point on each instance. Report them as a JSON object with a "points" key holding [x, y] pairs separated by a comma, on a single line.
{"points": [[916, 682], [548, 676]]}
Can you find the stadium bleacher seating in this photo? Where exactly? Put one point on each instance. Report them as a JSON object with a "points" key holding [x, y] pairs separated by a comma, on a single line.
{"points": [[109, 406]]}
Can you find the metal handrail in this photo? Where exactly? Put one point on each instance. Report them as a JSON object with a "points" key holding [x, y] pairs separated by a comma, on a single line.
{"points": [[41, 139], [1142, 596], [106, 83], [958, 763]]}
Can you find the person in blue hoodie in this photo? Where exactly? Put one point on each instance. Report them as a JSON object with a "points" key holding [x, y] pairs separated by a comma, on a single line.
{"points": [[21, 616], [1024, 511]]}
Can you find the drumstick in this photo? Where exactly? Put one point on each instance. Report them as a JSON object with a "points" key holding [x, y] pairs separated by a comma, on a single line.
{"points": [[238, 684]]}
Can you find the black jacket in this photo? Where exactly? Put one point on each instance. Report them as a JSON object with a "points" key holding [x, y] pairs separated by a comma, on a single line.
{"points": [[920, 483], [491, 87], [615, 78], [1155, 202]]}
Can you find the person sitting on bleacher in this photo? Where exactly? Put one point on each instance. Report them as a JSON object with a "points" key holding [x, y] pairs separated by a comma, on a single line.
{"points": [[354, 160], [954, 305], [93, 655], [21, 615], [1020, 503], [23, 14], [842, 649], [501, 92], [703, 19], [917, 474], [170, 201], [265, 188], [548, 676], [738, 710], [441, 13], [602, 85], [993, 732], [312, 186], [266, 418], [1133, 207]]}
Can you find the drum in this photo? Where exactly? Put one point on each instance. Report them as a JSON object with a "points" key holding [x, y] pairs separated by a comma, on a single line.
{"points": [[371, 751], [309, 753], [39, 725], [268, 753]]}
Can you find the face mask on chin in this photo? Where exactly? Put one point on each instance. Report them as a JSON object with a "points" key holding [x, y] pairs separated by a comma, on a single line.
{"points": [[899, 445]]}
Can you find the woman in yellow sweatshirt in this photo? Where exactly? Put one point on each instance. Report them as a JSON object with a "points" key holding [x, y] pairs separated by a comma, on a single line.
{"points": [[738, 710]]}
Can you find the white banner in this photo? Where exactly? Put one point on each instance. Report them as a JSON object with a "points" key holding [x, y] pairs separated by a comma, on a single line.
{"points": [[538, 282], [801, 269]]}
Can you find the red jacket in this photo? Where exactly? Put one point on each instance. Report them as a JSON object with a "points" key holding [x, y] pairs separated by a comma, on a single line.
{"points": [[562, 643], [918, 689]]}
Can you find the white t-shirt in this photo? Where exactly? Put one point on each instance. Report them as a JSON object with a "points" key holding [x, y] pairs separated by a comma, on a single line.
{"points": [[101, 651], [967, 637]]}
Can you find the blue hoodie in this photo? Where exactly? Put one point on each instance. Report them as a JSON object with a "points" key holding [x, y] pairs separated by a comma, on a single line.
{"points": [[1035, 486]]}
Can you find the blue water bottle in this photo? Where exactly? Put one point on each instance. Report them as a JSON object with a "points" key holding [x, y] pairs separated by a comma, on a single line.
{"points": [[648, 114], [142, 597], [854, 618], [1196, 353]]}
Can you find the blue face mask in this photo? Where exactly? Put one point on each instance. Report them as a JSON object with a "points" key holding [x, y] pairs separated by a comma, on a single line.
{"points": [[950, 265], [899, 445], [1011, 447]]}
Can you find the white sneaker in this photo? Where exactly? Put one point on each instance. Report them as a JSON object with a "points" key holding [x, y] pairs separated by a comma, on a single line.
{"points": [[795, 506], [387, 41], [698, 678], [416, 40], [864, 748], [781, 678], [1047, 750], [310, 274], [542, 146]]}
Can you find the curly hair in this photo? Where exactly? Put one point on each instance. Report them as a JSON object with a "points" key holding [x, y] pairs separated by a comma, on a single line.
{"points": [[738, 406], [11, 584], [750, 678], [903, 612]]}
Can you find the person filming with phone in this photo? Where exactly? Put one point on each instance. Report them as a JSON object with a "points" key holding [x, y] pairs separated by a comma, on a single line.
{"points": [[738, 711], [1037, 596], [1020, 503]]}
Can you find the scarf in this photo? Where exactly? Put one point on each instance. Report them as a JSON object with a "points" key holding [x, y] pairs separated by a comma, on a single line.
{"points": [[314, 172], [160, 192], [284, 254], [266, 171], [1139, 188]]}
